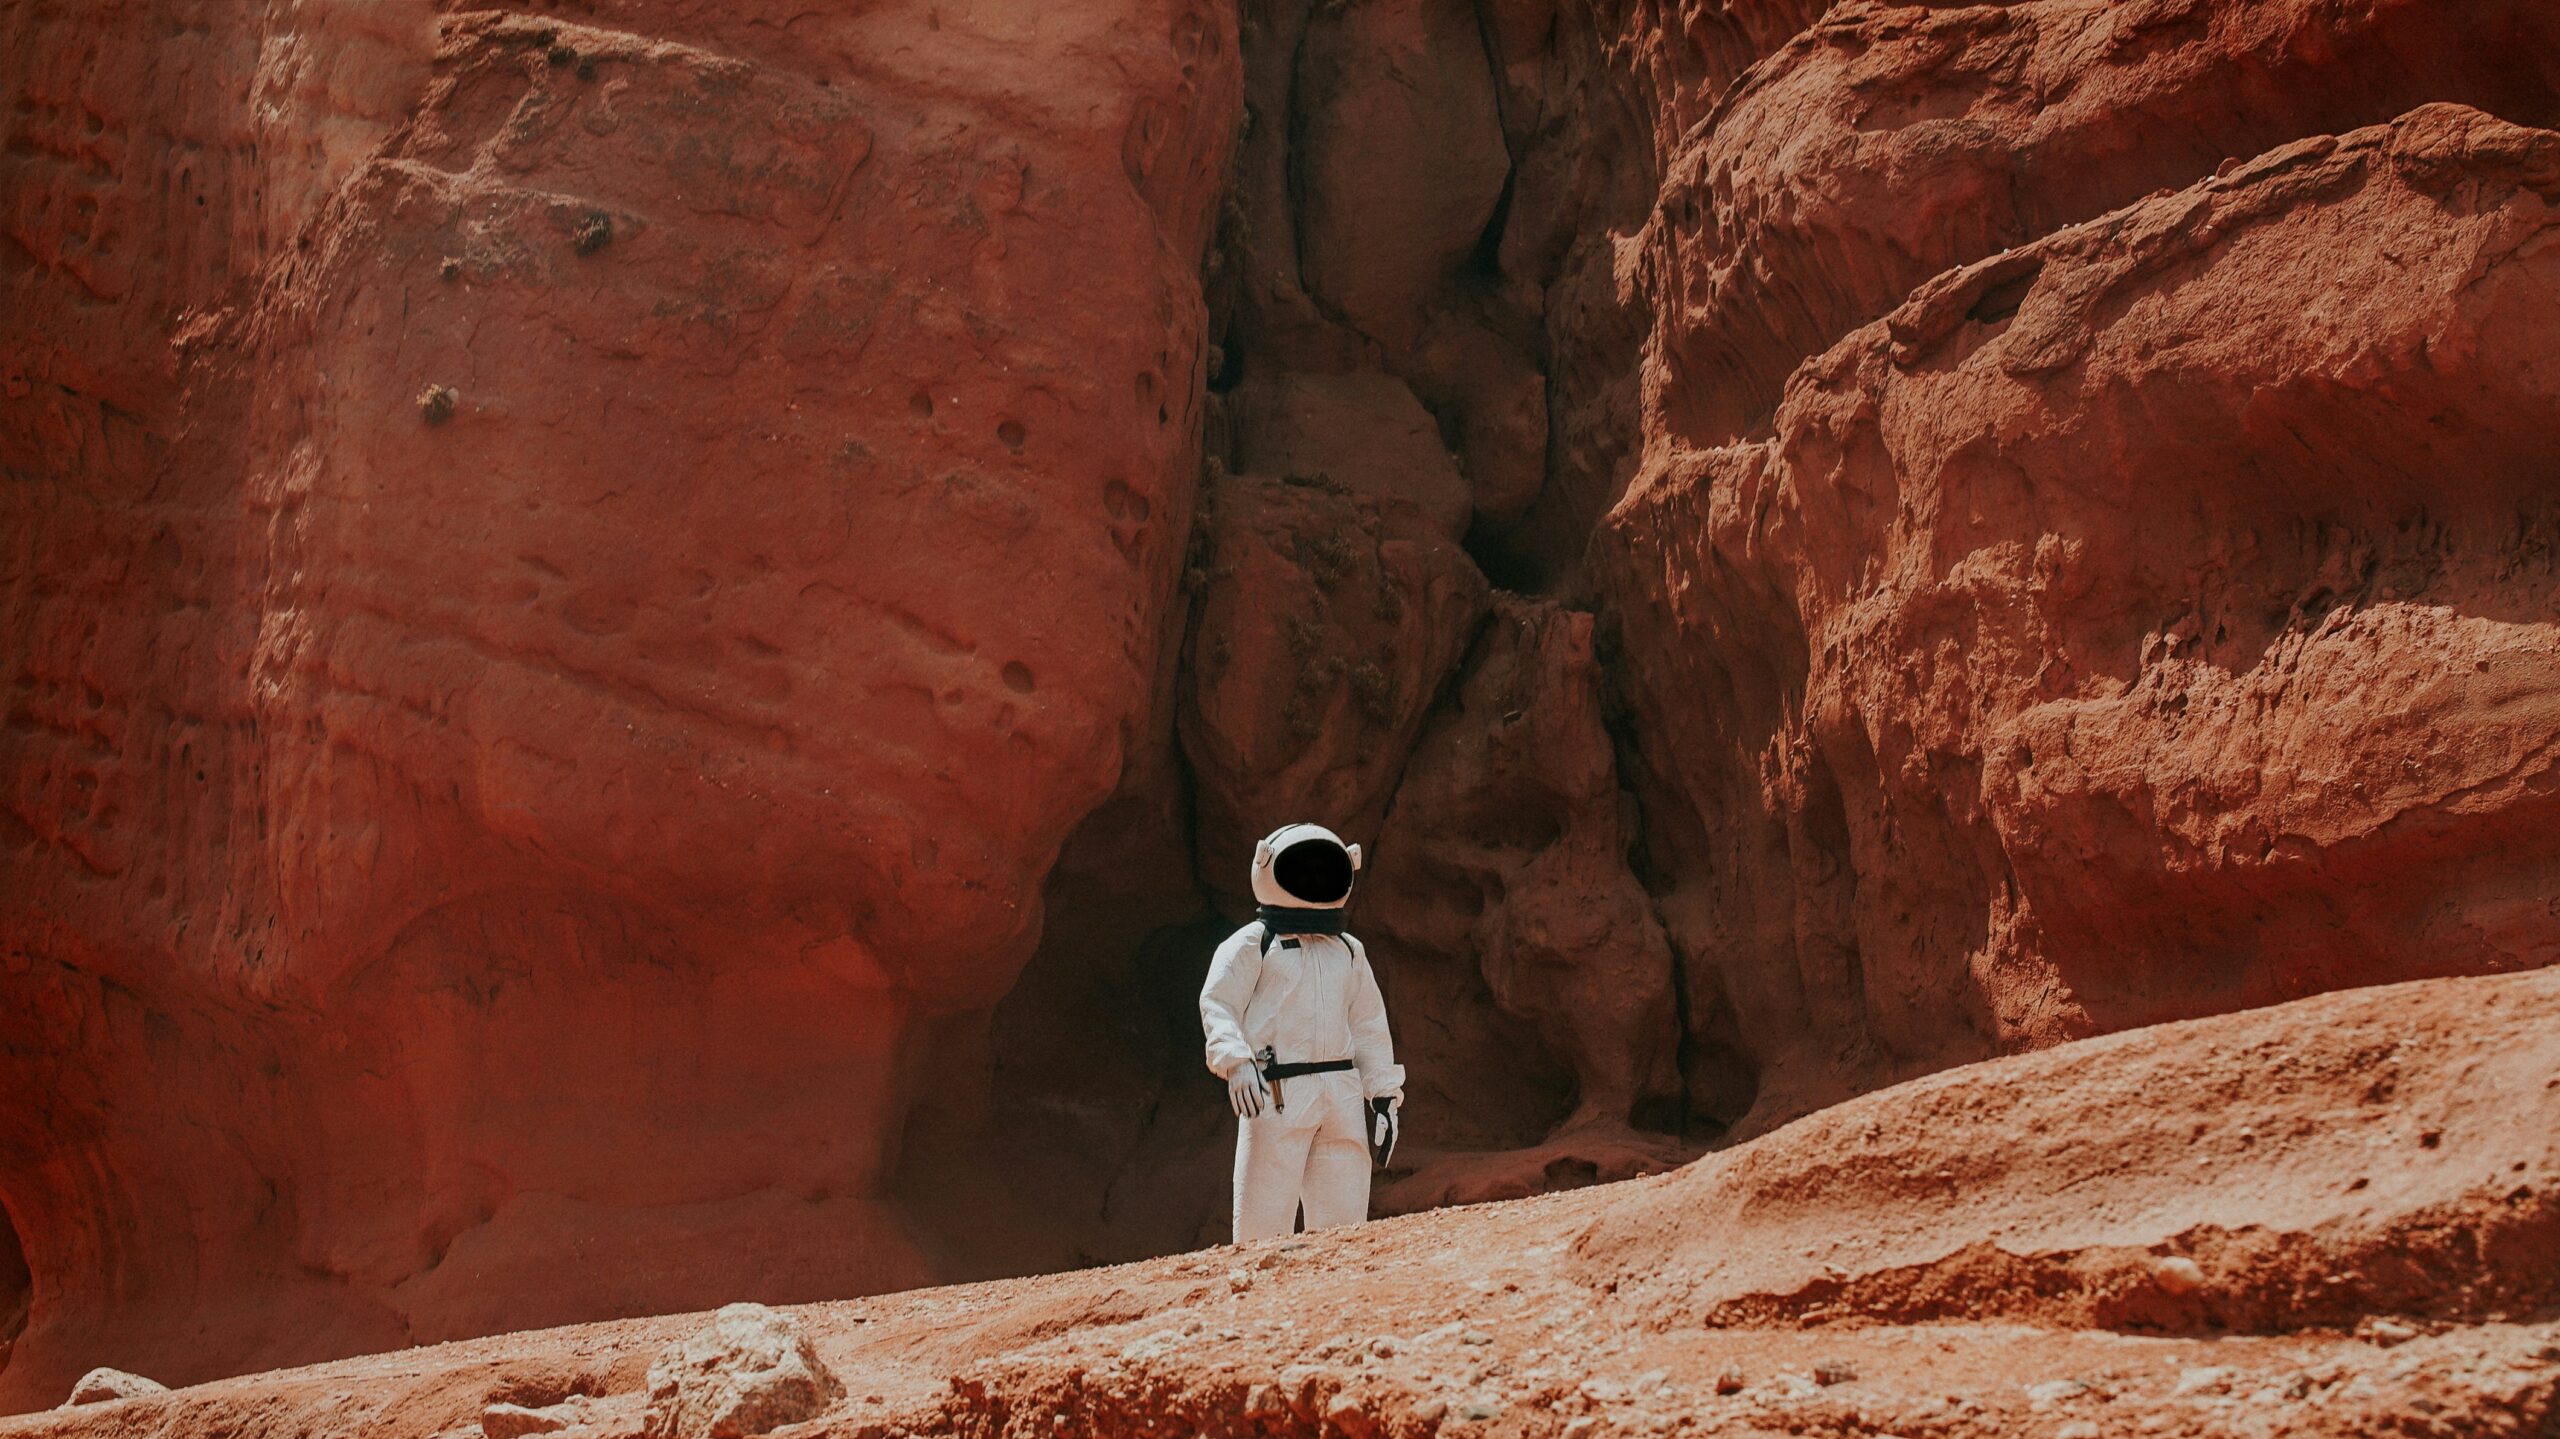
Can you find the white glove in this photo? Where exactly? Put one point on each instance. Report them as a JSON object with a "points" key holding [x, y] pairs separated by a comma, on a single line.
{"points": [[1246, 1093], [1386, 1123]]}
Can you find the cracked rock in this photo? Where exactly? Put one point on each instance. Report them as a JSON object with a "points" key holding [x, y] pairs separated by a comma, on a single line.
{"points": [[749, 1371]]}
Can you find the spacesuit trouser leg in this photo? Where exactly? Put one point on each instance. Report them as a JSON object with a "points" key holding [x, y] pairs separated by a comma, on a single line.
{"points": [[1271, 1167], [1336, 1184]]}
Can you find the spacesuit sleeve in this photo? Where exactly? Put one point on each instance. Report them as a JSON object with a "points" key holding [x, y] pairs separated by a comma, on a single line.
{"points": [[1373, 1049], [1233, 972]]}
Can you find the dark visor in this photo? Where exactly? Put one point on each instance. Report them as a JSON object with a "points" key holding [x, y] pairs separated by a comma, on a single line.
{"points": [[1317, 871]]}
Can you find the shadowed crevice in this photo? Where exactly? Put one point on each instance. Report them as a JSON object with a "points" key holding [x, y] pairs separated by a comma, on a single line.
{"points": [[17, 1287]]}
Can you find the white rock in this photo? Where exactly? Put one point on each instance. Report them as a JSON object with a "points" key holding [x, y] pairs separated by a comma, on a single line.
{"points": [[2385, 1332], [514, 1421], [2178, 1274], [750, 1370], [2054, 1391], [99, 1386], [2209, 1379]]}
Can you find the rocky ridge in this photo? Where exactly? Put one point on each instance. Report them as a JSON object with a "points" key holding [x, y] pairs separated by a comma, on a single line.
{"points": [[2331, 1217]]}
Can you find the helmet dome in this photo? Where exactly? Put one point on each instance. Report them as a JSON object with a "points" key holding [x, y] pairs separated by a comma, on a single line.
{"points": [[1304, 866]]}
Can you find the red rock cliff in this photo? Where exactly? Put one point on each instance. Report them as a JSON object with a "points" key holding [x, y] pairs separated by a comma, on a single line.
{"points": [[570, 574], [645, 640]]}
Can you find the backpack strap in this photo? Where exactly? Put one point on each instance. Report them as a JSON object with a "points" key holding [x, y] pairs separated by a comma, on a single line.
{"points": [[1358, 951]]}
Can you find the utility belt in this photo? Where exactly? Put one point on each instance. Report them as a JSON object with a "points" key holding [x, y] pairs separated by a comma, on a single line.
{"points": [[1292, 1071], [1273, 1071]]}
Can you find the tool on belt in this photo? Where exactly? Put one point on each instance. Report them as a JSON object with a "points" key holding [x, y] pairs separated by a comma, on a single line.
{"points": [[1273, 1071], [1383, 1125]]}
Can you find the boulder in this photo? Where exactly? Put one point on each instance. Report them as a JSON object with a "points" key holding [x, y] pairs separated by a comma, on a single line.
{"points": [[101, 1386], [749, 1371]]}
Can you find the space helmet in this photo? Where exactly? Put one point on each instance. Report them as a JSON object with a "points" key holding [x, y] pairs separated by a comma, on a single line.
{"points": [[1304, 872]]}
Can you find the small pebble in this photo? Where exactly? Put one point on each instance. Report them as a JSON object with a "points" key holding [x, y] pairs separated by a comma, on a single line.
{"points": [[2385, 1332], [1475, 1336], [1834, 1371], [2178, 1274], [2054, 1391], [1729, 1382], [1479, 1409]]}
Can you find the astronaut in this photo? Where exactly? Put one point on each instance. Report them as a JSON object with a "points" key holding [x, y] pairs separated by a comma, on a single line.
{"points": [[1297, 1030]]}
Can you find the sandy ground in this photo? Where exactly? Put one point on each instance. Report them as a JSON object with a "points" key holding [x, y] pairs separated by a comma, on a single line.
{"points": [[2357, 1236]]}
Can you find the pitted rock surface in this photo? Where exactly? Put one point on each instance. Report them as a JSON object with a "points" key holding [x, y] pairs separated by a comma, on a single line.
{"points": [[750, 1371]]}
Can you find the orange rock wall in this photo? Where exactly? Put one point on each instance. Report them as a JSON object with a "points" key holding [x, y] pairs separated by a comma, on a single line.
{"points": [[2091, 559], [571, 573]]}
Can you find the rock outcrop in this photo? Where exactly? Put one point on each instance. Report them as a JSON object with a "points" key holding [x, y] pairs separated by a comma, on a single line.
{"points": [[750, 1371], [2128, 626], [103, 1386]]}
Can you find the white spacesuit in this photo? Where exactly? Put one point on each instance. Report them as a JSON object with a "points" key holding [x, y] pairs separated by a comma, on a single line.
{"points": [[1297, 1030]]}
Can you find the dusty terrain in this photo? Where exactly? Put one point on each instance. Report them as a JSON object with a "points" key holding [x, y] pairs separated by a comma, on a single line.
{"points": [[2193, 1229]]}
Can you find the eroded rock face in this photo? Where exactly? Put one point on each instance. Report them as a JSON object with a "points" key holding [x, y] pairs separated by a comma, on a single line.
{"points": [[1889, 143], [1532, 983], [1329, 621], [1399, 154], [2171, 605], [516, 742]]}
